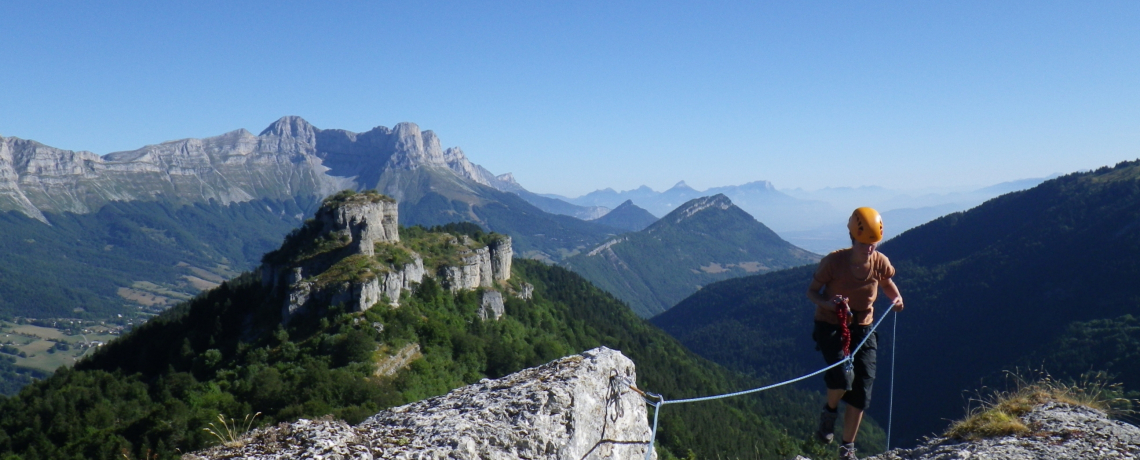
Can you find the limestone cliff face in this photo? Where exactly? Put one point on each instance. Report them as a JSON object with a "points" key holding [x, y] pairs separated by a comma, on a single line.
{"points": [[480, 267], [289, 158], [360, 223], [364, 221], [491, 306], [236, 166], [575, 408], [501, 255]]}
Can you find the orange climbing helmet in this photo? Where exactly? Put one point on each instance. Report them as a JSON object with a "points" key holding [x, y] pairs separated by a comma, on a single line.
{"points": [[866, 226]]}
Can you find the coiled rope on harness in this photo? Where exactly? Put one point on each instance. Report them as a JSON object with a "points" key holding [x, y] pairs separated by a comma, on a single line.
{"points": [[657, 400], [843, 312]]}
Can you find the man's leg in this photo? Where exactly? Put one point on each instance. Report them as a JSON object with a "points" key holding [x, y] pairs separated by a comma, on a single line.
{"points": [[851, 421], [860, 395], [833, 398], [828, 342]]}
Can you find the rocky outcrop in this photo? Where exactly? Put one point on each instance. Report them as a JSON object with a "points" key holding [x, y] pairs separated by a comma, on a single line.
{"points": [[359, 296], [480, 267], [364, 218], [355, 295], [474, 271], [491, 306], [1058, 431], [360, 222], [575, 408], [501, 255], [525, 292]]}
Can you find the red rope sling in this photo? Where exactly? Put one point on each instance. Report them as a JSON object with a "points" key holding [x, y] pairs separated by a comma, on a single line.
{"points": [[843, 311]]}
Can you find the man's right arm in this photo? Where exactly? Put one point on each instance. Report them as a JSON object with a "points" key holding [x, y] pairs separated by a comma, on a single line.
{"points": [[817, 298]]}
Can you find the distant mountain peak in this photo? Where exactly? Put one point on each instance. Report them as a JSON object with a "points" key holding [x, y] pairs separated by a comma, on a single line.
{"points": [[697, 205], [508, 178], [628, 216], [292, 126], [681, 185], [759, 184]]}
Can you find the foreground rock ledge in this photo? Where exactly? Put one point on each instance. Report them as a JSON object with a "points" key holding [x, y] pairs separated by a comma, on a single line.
{"points": [[576, 407], [1059, 431]]}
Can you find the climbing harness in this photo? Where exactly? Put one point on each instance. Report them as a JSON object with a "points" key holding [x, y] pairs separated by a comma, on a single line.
{"points": [[657, 400]]}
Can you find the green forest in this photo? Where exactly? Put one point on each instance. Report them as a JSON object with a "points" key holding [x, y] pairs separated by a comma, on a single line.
{"points": [[152, 391]]}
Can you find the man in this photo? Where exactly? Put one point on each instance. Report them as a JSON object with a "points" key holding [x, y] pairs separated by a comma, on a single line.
{"points": [[846, 284]]}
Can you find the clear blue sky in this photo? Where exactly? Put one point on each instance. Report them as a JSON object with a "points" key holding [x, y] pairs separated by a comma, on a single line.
{"points": [[576, 96]]}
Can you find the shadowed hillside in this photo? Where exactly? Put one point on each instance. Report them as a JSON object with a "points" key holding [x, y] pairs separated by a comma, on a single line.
{"points": [[984, 288]]}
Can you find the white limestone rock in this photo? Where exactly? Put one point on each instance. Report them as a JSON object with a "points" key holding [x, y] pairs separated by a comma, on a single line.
{"points": [[575, 408], [480, 267], [501, 255], [366, 219], [491, 305], [473, 272], [1059, 431]]}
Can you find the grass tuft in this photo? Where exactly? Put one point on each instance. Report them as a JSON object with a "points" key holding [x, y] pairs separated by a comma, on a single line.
{"points": [[999, 413], [229, 433]]}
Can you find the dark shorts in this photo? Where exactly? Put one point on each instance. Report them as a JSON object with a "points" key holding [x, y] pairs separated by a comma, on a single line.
{"points": [[858, 383]]}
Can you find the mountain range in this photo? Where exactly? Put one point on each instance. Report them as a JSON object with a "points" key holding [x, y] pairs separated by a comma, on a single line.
{"points": [[760, 199], [814, 219], [705, 240], [986, 290], [151, 226]]}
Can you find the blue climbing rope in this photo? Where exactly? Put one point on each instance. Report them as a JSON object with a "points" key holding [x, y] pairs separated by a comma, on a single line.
{"points": [[891, 405], [661, 401]]}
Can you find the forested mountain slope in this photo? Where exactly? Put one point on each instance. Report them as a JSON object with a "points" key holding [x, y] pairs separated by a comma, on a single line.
{"points": [[133, 257], [984, 289], [226, 351]]}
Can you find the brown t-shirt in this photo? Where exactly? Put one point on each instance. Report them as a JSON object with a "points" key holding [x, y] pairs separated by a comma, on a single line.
{"points": [[838, 278]]}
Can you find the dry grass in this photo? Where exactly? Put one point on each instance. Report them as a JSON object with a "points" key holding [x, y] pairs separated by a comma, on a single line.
{"points": [[230, 433], [999, 414]]}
